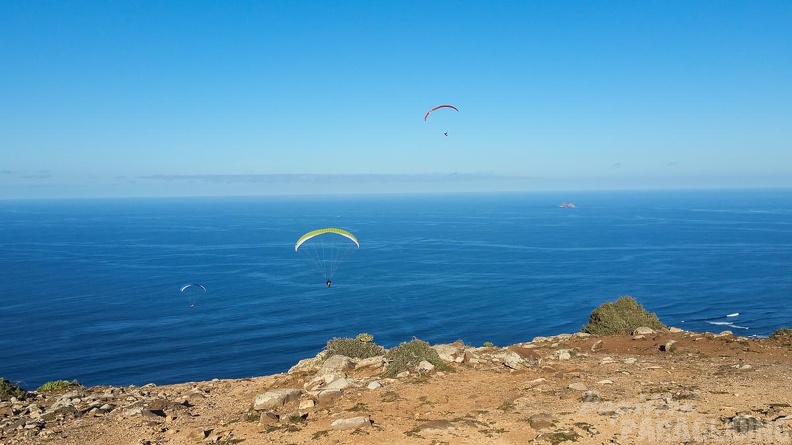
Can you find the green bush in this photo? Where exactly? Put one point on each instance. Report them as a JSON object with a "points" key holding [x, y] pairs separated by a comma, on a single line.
{"points": [[8, 390], [354, 348], [364, 337], [58, 384], [407, 356], [619, 317]]}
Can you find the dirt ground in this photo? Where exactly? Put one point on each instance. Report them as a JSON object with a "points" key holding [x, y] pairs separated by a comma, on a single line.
{"points": [[664, 387]]}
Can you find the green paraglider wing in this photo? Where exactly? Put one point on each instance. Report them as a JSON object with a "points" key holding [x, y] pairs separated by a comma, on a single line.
{"points": [[318, 232]]}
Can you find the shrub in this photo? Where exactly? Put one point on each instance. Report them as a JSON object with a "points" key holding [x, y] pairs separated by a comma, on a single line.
{"points": [[8, 390], [58, 384], [781, 334], [407, 356], [354, 348], [619, 317]]}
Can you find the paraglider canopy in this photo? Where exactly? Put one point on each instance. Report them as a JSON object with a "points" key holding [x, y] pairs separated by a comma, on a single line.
{"points": [[192, 284], [439, 107], [317, 232], [327, 248]]}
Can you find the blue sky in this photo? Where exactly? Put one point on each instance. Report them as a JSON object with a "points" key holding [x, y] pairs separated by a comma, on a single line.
{"points": [[170, 98]]}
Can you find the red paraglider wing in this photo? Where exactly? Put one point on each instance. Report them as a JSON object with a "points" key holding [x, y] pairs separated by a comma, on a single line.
{"points": [[438, 107]]}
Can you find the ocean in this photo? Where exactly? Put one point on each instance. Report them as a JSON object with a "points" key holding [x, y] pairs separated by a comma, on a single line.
{"points": [[90, 289]]}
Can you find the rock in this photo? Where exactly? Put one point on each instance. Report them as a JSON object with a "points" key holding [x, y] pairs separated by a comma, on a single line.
{"points": [[341, 383], [276, 398], [724, 334], [565, 354], [509, 358], [591, 396], [669, 346], [535, 382], [643, 330], [541, 421], [328, 397], [675, 330], [306, 404], [269, 418], [447, 353], [133, 411], [152, 415], [374, 385], [607, 361], [630, 360], [596, 346], [337, 363], [63, 402], [198, 434], [307, 366], [194, 396], [402, 374], [351, 423], [578, 386], [425, 366], [605, 382], [528, 355], [371, 362]]}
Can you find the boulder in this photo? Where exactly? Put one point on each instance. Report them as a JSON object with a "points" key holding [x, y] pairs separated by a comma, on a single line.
{"points": [[337, 363], [307, 366], [276, 398], [371, 362], [425, 366], [528, 355], [670, 346], [351, 423], [339, 384], [447, 353], [328, 396], [565, 354]]}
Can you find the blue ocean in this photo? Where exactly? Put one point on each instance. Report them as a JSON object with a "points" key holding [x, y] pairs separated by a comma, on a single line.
{"points": [[90, 289]]}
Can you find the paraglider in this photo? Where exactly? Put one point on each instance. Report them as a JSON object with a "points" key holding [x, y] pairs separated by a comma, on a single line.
{"points": [[192, 293], [426, 116], [327, 248]]}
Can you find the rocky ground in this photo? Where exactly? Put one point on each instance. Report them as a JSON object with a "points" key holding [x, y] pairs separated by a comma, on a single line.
{"points": [[654, 387]]}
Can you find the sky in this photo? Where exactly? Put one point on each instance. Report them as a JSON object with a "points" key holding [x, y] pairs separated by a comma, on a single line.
{"points": [[183, 98]]}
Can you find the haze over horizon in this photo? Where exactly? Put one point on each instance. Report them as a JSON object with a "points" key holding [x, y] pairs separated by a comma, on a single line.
{"points": [[136, 99]]}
